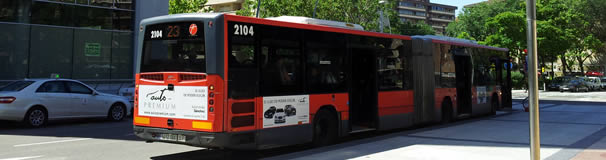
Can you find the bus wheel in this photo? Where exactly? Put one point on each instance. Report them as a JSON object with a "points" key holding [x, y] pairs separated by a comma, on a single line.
{"points": [[446, 111], [494, 104], [325, 128]]}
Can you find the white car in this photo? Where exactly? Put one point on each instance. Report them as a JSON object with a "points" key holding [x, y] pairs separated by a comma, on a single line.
{"points": [[128, 92], [35, 101]]}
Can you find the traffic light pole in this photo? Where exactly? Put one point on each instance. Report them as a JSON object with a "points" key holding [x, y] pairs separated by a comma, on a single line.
{"points": [[533, 84]]}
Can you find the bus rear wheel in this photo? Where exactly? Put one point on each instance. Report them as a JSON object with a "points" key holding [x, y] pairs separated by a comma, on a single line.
{"points": [[446, 111], [494, 105], [325, 128]]}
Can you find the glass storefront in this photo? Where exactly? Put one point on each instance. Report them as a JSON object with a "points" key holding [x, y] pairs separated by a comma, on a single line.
{"points": [[79, 39]]}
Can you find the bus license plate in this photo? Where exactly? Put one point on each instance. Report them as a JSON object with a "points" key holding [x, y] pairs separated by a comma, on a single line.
{"points": [[171, 137]]}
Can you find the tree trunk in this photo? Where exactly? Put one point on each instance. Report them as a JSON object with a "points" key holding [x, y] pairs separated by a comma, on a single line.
{"points": [[564, 65], [581, 64]]}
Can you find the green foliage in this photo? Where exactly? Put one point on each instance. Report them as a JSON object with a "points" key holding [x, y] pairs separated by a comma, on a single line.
{"points": [[363, 12], [186, 6], [517, 80], [566, 29]]}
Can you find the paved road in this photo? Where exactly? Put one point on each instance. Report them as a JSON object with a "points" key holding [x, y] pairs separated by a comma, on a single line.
{"points": [[567, 129]]}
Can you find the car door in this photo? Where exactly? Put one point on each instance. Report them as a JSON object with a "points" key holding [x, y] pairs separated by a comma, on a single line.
{"points": [[85, 102], [54, 96]]}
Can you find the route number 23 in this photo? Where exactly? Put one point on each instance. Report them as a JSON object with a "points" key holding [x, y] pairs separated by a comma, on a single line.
{"points": [[243, 30]]}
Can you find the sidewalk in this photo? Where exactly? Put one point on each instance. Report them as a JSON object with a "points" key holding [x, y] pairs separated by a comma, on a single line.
{"points": [[568, 131]]}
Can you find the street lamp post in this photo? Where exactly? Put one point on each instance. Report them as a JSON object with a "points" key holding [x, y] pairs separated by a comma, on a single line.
{"points": [[316, 6], [381, 2], [533, 84]]}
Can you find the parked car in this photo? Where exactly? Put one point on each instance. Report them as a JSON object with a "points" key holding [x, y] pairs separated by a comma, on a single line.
{"points": [[593, 83], [574, 85], [128, 92], [554, 85], [603, 80], [36, 101]]}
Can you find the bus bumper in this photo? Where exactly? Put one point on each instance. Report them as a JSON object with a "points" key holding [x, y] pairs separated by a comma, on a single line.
{"points": [[199, 139]]}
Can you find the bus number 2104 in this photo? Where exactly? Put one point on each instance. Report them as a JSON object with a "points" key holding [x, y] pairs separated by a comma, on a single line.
{"points": [[243, 30]]}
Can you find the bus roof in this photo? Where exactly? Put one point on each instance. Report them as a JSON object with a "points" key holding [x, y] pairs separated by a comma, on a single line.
{"points": [[319, 27], [460, 42]]}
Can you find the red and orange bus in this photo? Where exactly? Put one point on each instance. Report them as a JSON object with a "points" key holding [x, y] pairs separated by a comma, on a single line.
{"points": [[226, 81]]}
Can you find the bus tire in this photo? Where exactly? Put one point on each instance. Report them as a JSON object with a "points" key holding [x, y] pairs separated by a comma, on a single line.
{"points": [[446, 111], [494, 105], [324, 128]]}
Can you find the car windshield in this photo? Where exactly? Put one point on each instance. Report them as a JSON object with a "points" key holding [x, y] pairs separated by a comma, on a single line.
{"points": [[16, 86]]}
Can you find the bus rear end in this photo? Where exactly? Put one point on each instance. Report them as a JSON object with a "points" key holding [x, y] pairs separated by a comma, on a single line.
{"points": [[179, 87]]}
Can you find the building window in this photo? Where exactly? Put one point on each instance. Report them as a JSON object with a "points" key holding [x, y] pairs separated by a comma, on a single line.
{"points": [[420, 14], [406, 4], [407, 12]]}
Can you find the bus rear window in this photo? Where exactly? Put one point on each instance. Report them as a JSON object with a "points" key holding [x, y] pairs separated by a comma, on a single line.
{"points": [[174, 47]]}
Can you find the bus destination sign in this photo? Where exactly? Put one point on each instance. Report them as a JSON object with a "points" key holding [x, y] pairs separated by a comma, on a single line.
{"points": [[168, 31]]}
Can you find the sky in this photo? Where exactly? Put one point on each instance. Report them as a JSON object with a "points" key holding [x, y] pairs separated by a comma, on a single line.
{"points": [[458, 3]]}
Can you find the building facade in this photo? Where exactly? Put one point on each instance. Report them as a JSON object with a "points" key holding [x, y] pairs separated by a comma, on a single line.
{"points": [[225, 5], [77, 39], [436, 15]]}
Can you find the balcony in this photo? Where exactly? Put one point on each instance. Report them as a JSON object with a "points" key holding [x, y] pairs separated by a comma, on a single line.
{"points": [[441, 20], [412, 16], [221, 2], [412, 8], [442, 12]]}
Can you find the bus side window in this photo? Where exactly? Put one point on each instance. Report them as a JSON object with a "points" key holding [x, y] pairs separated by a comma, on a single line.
{"points": [[325, 62], [281, 68], [242, 68]]}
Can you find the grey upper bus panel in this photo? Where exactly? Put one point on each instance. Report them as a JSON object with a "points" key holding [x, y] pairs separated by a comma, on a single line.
{"points": [[463, 42], [213, 37]]}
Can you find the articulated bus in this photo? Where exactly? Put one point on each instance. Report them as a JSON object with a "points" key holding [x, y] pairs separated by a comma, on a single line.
{"points": [[227, 81]]}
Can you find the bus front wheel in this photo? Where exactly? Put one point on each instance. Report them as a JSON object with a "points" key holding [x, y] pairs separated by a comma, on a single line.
{"points": [[325, 128]]}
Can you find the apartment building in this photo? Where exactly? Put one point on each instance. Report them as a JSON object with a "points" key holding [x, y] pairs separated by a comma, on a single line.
{"points": [[436, 15]]}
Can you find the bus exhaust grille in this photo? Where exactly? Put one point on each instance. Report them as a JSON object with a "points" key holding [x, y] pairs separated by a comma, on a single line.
{"points": [[241, 121], [243, 107], [155, 77], [191, 77]]}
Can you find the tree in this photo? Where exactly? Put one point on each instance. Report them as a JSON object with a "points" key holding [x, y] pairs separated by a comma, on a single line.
{"points": [[508, 30], [363, 12], [186, 6]]}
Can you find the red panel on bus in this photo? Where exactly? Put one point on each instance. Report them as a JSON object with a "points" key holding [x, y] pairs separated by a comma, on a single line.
{"points": [[396, 102]]}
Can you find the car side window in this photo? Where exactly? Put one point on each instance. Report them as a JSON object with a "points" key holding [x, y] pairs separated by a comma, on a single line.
{"points": [[78, 88], [52, 87]]}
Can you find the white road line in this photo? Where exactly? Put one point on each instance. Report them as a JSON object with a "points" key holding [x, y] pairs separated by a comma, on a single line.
{"points": [[22, 158], [51, 142]]}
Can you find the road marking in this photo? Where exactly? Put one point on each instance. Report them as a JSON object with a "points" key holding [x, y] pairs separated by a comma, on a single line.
{"points": [[51, 142], [22, 158]]}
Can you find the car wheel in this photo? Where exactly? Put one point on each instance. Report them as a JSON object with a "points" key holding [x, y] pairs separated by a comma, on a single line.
{"points": [[117, 112], [35, 117], [325, 128]]}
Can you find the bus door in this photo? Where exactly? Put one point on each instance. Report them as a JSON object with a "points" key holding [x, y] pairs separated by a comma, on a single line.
{"points": [[463, 83], [363, 93]]}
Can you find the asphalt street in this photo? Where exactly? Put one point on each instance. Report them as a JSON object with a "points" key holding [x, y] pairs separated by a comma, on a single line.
{"points": [[569, 130]]}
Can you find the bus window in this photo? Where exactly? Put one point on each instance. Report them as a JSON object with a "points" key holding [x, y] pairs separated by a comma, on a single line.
{"points": [[281, 67], [171, 47], [242, 68], [325, 64]]}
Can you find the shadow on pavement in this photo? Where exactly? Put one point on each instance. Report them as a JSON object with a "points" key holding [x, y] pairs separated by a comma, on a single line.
{"points": [[86, 128]]}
